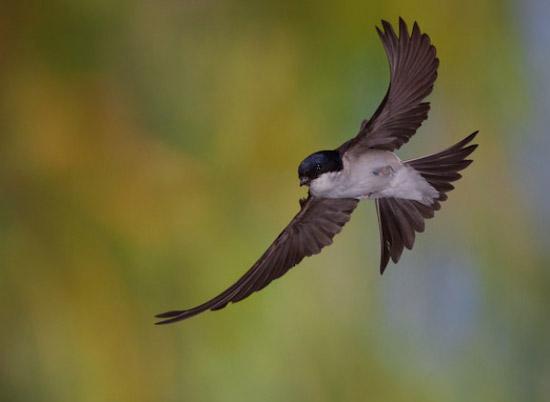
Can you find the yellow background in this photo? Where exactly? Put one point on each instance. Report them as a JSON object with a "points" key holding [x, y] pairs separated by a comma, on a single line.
{"points": [[148, 155]]}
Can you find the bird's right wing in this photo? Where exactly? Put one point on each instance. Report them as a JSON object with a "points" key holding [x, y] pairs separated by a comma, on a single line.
{"points": [[313, 228]]}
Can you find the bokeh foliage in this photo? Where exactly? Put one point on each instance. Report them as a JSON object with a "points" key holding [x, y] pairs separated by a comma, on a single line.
{"points": [[148, 155]]}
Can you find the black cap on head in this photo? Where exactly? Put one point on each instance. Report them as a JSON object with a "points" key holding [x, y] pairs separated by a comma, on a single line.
{"points": [[318, 163]]}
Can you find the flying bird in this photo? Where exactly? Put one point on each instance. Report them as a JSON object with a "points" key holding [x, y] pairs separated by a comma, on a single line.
{"points": [[365, 168]]}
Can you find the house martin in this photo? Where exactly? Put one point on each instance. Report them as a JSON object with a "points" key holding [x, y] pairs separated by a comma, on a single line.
{"points": [[365, 168]]}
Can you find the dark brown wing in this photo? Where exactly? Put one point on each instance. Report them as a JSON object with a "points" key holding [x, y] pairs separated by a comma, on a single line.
{"points": [[399, 219], [413, 70], [313, 228]]}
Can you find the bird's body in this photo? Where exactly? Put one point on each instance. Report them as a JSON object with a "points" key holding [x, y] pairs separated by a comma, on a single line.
{"points": [[362, 176], [406, 193], [374, 174]]}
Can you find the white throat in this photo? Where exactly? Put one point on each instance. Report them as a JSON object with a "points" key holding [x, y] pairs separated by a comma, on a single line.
{"points": [[326, 185]]}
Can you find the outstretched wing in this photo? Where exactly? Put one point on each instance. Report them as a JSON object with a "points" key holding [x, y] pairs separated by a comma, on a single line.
{"points": [[313, 228], [413, 70]]}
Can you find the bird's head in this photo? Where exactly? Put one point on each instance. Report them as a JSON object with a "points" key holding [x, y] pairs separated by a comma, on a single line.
{"points": [[318, 163]]}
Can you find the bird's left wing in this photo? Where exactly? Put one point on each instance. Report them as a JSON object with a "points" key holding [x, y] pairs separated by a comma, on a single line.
{"points": [[413, 71], [313, 228]]}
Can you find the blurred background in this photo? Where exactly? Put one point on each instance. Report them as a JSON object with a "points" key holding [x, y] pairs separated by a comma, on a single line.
{"points": [[148, 156]]}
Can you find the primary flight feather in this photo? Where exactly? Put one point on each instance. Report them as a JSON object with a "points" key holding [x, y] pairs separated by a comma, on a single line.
{"points": [[365, 167]]}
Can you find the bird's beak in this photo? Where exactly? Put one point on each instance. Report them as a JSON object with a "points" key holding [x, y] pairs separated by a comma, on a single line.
{"points": [[304, 181]]}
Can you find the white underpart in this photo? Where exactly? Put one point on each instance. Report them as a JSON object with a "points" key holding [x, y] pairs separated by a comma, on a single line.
{"points": [[374, 174], [409, 184]]}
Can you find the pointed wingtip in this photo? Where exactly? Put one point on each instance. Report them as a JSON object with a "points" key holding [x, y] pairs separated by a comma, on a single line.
{"points": [[463, 144], [169, 321], [179, 315], [387, 28], [160, 323], [469, 139], [473, 135], [172, 316], [163, 315], [403, 30]]}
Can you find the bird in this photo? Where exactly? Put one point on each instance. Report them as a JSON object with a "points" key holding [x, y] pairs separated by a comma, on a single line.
{"points": [[405, 193]]}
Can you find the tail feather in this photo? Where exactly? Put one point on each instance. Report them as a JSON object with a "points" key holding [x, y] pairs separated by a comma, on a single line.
{"points": [[399, 218]]}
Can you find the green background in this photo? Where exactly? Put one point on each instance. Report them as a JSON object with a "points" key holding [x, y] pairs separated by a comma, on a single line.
{"points": [[148, 155]]}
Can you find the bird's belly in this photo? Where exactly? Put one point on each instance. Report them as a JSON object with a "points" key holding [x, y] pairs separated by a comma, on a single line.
{"points": [[350, 187]]}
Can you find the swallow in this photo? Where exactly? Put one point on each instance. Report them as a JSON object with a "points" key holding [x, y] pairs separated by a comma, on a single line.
{"points": [[405, 193]]}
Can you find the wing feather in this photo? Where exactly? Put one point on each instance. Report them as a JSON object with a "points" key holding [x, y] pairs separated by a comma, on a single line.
{"points": [[313, 228], [413, 71]]}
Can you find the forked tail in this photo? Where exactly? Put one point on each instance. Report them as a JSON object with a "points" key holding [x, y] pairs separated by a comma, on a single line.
{"points": [[399, 219]]}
